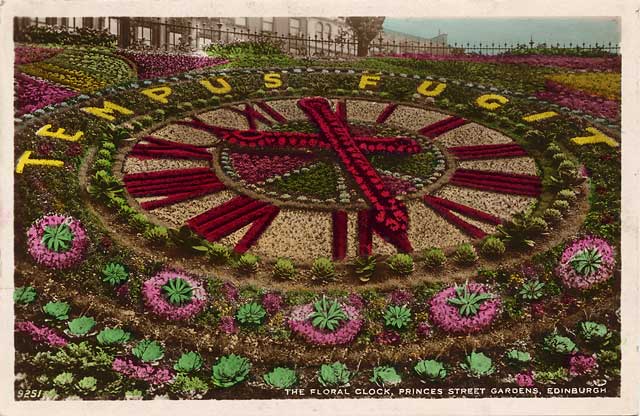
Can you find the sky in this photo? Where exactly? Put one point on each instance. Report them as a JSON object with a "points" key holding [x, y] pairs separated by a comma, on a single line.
{"points": [[512, 30]]}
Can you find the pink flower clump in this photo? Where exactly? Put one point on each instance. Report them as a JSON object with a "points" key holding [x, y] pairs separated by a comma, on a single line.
{"points": [[582, 364], [388, 337], [300, 324], [33, 93], [230, 292], [41, 334], [272, 303], [423, 329], [525, 379], [397, 185], [143, 372], [355, 300], [571, 278], [50, 258], [155, 65], [228, 325], [574, 62], [580, 100], [30, 54], [448, 317], [155, 300], [400, 297], [257, 168]]}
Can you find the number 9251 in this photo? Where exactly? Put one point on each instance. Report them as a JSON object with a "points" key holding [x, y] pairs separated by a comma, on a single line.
{"points": [[29, 394]]}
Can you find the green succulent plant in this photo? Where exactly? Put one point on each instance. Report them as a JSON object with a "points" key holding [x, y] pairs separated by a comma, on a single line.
{"points": [[594, 332], [81, 325], [431, 370], [401, 264], [248, 263], [24, 295], [327, 315], [532, 290], [113, 336], [87, 385], [477, 364], [57, 310], [114, 274], [434, 258], [365, 267], [188, 362], [334, 375], [57, 238], [492, 247], [558, 344], [284, 269], [148, 351], [280, 378], [552, 215], [468, 302], [385, 376], [323, 269], [397, 317], [63, 380], [157, 235], [178, 291], [465, 254], [104, 186], [251, 314], [230, 370], [587, 261], [191, 386], [517, 358]]}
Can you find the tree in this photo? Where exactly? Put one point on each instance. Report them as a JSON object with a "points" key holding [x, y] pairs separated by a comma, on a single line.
{"points": [[365, 30]]}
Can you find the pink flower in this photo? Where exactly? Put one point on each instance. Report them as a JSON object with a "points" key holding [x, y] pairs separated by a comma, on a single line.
{"points": [[230, 292], [579, 100], [50, 258], [272, 303], [525, 379], [143, 372], [388, 337], [582, 364], [30, 54], [423, 329], [537, 309], [356, 301], [400, 297], [156, 302], [163, 64], [571, 278], [34, 93], [228, 325], [40, 334], [256, 168], [448, 317], [300, 324]]}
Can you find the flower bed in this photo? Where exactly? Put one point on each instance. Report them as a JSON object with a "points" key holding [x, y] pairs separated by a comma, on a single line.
{"points": [[57, 259], [33, 93], [154, 65], [143, 372], [603, 263], [578, 100], [157, 303], [448, 318], [300, 324], [30, 54], [40, 334], [256, 167]]}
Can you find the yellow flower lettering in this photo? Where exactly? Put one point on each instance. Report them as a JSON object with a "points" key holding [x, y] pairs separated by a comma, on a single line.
{"points": [[539, 116], [491, 101], [107, 109], [224, 87], [272, 80], [158, 94], [45, 131], [427, 90], [597, 137], [25, 160], [368, 80]]}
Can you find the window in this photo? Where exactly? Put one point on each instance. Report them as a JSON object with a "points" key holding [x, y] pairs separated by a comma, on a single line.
{"points": [[87, 22], [327, 30], [174, 38], [52, 21], [143, 34], [319, 30], [240, 21], [267, 24], [294, 27]]}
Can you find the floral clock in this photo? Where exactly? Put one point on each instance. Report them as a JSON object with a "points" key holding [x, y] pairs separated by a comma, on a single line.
{"points": [[341, 177]]}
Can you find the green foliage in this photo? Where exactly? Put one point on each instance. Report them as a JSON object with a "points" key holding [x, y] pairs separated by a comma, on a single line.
{"points": [[63, 380], [104, 154], [251, 314], [492, 247], [262, 46], [114, 274], [148, 351], [567, 195], [431, 370], [57, 310], [323, 269], [57, 237], [230, 370], [82, 356], [465, 254], [521, 229], [434, 258], [218, 253], [133, 395], [552, 376], [365, 267], [561, 205], [189, 362], [248, 263], [24, 295], [280, 378], [284, 269], [191, 386], [81, 325], [178, 291], [593, 332], [334, 375], [401, 264], [108, 146], [87, 385], [327, 314], [518, 358], [397, 317], [552, 215], [157, 235], [557, 344], [385, 376], [468, 303], [102, 164], [532, 290], [69, 36], [477, 364], [113, 336], [535, 138], [139, 222], [587, 261], [420, 165], [318, 181], [104, 186]]}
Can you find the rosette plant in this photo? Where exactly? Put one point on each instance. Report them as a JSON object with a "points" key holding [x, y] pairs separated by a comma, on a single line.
{"points": [[532, 290], [148, 351], [327, 315], [586, 262], [431, 370], [477, 364], [57, 310], [114, 274], [334, 375], [251, 314], [81, 326], [57, 237], [385, 376], [113, 336], [467, 301], [188, 362], [230, 370], [281, 378], [397, 317], [178, 291]]}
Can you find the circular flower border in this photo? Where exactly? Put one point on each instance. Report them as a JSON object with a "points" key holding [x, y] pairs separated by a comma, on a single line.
{"points": [[300, 324], [156, 302], [572, 279], [57, 260], [448, 318]]}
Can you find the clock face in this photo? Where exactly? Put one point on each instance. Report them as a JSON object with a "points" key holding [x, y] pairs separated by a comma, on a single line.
{"points": [[323, 177]]}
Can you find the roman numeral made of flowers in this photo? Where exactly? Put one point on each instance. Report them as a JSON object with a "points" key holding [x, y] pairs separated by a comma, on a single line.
{"points": [[389, 214], [487, 151], [152, 147], [444, 207], [253, 116], [506, 183], [440, 127]]}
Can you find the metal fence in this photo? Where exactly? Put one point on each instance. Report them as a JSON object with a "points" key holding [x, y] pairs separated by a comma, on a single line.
{"points": [[153, 34]]}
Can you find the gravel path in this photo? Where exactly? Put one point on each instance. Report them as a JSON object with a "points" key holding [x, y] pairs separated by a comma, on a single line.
{"points": [[367, 111], [472, 134], [412, 118]]}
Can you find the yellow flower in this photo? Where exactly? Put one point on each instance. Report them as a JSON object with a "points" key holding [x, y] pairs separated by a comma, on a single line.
{"points": [[604, 84], [491, 101]]}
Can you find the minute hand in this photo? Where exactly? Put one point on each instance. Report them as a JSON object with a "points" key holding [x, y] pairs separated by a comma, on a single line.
{"points": [[389, 214]]}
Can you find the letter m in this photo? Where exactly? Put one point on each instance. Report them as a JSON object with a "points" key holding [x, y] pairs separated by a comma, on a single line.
{"points": [[107, 109]]}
